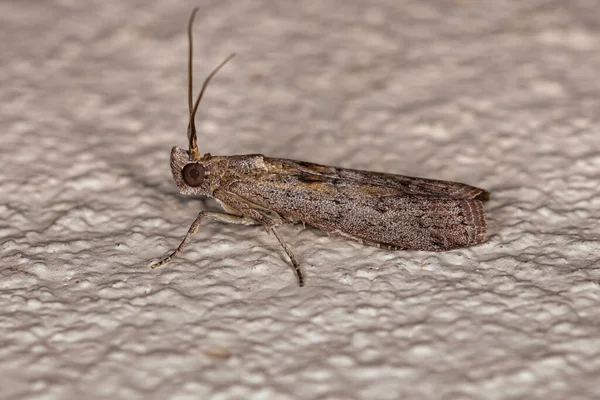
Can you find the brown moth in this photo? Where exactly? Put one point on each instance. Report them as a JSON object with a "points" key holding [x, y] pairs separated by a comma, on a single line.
{"points": [[391, 212]]}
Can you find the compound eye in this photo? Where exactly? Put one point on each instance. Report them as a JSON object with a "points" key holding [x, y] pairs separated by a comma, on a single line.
{"points": [[193, 174]]}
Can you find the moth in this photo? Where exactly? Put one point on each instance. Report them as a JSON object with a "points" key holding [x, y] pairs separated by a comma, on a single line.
{"points": [[392, 212]]}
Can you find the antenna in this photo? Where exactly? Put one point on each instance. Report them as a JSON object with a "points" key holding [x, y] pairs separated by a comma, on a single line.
{"points": [[193, 144]]}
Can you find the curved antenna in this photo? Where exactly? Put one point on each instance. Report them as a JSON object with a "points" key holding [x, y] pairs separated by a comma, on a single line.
{"points": [[192, 126], [193, 143]]}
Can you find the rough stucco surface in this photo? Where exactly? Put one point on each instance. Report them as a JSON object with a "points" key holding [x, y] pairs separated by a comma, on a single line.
{"points": [[503, 95]]}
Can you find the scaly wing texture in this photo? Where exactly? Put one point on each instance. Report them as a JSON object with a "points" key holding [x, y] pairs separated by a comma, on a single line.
{"points": [[379, 209], [402, 184]]}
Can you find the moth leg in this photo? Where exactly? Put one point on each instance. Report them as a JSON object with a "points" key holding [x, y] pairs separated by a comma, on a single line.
{"points": [[240, 206], [245, 208], [290, 255], [223, 217]]}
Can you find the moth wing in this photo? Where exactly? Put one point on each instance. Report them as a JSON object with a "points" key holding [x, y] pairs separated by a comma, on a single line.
{"points": [[395, 217], [401, 183]]}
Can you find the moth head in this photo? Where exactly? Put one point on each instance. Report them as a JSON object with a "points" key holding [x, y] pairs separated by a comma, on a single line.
{"points": [[190, 170], [191, 177]]}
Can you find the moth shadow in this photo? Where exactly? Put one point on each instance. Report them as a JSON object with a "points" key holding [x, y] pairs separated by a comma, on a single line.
{"points": [[500, 208]]}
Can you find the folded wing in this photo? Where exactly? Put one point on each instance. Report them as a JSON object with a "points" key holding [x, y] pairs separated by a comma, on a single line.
{"points": [[385, 210]]}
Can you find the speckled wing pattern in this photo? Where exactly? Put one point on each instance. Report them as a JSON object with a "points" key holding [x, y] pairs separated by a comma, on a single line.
{"points": [[384, 210]]}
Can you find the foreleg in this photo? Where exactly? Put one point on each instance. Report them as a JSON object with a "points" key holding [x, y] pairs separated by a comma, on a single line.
{"points": [[223, 217]]}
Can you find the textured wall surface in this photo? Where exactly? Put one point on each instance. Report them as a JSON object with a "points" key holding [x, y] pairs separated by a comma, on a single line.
{"points": [[503, 95]]}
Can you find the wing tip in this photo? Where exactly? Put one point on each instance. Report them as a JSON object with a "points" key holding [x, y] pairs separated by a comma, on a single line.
{"points": [[482, 195]]}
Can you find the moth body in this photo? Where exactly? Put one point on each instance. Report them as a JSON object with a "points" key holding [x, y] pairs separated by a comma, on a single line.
{"points": [[393, 212], [383, 210]]}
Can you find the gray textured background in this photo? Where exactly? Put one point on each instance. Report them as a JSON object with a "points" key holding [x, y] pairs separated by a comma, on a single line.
{"points": [[503, 95]]}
